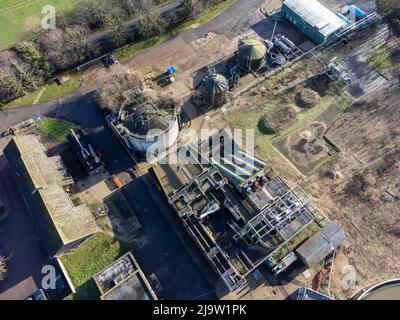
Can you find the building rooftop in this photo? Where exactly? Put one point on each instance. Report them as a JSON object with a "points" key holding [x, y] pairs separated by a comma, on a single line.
{"points": [[316, 15], [321, 244], [49, 177], [309, 294], [235, 228], [124, 280]]}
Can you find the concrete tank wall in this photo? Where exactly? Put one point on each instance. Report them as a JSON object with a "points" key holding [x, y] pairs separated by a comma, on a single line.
{"points": [[170, 137], [388, 290]]}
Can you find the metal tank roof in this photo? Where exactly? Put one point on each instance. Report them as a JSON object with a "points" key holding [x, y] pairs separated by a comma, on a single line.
{"points": [[215, 83], [252, 48], [146, 117]]}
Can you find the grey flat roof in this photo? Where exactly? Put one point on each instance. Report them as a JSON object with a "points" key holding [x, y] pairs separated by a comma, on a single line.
{"points": [[309, 294], [316, 15], [124, 280], [49, 176], [316, 248]]}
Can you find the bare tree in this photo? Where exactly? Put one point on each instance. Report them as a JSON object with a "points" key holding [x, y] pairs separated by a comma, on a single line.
{"points": [[78, 44], [54, 44], [110, 94], [114, 20], [387, 7], [190, 8], [150, 23]]}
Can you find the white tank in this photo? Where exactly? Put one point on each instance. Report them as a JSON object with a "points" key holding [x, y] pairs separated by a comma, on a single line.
{"points": [[151, 129]]}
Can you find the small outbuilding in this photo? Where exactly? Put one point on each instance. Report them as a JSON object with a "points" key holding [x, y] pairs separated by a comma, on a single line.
{"points": [[314, 19], [321, 244]]}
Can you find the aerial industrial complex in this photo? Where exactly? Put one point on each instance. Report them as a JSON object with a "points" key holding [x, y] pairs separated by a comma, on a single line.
{"points": [[221, 163]]}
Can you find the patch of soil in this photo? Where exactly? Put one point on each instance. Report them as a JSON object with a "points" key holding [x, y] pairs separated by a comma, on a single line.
{"points": [[319, 84], [308, 146]]}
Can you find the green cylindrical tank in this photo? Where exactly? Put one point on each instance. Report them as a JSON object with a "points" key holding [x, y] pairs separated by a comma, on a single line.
{"points": [[251, 54], [215, 88]]}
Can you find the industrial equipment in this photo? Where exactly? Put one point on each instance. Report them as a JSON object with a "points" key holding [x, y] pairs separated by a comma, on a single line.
{"points": [[24, 126], [251, 54], [88, 157], [214, 88], [284, 263], [337, 71]]}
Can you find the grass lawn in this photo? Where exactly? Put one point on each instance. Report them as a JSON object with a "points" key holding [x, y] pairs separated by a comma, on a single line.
{"points": [[136, 48], [58, 129], [49, 92], [18, 17], [89, 259]]}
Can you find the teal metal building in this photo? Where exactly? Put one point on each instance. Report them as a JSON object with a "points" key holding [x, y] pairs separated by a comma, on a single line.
{"points": [[313, 19]]}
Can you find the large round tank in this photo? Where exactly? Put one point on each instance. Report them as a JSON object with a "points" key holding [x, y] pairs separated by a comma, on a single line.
{"points": [[388, 290], [215, 88], [251, 54], [151, 130]]}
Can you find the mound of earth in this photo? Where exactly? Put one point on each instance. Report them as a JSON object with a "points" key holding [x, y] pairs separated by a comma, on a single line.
{"points": [[307, 98], [277, 120]]}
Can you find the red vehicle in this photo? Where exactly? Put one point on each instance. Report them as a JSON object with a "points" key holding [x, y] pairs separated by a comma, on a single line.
{"points": [[117, 182]]}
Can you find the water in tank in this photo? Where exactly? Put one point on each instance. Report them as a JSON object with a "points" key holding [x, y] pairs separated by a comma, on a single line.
{"points": [[214, 89], [251, 54]]}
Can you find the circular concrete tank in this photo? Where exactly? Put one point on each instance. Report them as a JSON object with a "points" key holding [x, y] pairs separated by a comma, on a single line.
{"points": [[251, 54], [151, 129], [388, 290], [215, 89]]}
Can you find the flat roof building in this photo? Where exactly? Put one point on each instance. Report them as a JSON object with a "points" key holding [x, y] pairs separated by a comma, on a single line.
{"points": [[315, 20], [309, 294], [42, 179], [321, 244], [124, 280]]}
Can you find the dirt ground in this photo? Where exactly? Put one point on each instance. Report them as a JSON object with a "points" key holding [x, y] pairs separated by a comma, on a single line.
{"points": [[361, 189]]}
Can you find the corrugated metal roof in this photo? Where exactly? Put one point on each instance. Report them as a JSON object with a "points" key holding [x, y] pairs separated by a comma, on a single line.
{"points": [[215, 83], [316, 15], [316, 248]]}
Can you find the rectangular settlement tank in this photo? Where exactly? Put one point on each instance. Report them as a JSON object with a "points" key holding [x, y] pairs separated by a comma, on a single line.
{"points": [[313, 19]]}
